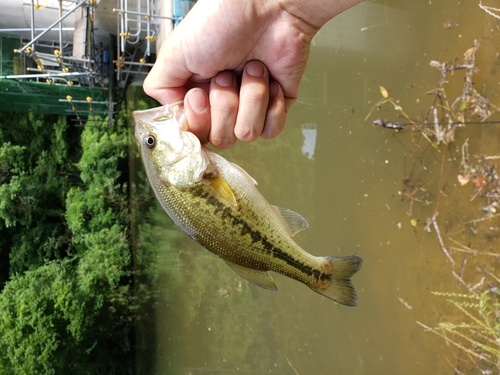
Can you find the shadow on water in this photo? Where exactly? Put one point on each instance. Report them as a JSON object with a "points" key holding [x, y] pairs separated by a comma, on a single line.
{"points": [[364, 190]]}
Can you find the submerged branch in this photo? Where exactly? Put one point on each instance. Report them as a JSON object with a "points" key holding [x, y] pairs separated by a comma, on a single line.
{"points": [[490, 10], [290, 364], [440, 239], [468, 250]]}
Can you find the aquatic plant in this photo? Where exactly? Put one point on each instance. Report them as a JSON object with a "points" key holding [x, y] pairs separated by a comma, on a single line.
{"points": [[478, 334]]}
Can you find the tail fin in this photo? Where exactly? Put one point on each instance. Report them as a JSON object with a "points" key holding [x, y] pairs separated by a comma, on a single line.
{"points": [[339, 287]]}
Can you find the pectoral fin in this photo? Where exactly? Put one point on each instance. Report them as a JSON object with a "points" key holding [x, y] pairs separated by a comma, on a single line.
{"points": [[294, 221], [259, 278], [223, 189]]}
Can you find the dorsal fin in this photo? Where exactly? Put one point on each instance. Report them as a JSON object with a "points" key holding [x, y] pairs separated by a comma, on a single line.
{"points": [[256, 277], [223, 189], [294, 221]]}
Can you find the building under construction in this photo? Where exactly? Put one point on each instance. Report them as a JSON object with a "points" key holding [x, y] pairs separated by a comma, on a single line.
{"points": [[77, 56]]}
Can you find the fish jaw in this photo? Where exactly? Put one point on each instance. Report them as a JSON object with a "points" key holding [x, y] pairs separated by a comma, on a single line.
{"points": [[167, 148]]}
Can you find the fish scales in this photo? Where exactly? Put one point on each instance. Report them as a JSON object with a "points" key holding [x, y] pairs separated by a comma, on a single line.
{"points": [[217, 204]]}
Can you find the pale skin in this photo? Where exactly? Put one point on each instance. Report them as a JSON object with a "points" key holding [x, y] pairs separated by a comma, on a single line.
{"points": [[238, 63]]}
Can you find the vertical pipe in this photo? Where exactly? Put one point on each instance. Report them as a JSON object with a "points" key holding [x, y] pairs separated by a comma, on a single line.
{"points": [[138, 7], [122, 23], [117, 52], [121, 45], [60, 29], [90, 8], [148, 29], [33, 21], [126, 22]]}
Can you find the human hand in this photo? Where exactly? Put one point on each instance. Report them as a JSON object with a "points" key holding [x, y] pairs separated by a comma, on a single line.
{"points": [[237, 64]]}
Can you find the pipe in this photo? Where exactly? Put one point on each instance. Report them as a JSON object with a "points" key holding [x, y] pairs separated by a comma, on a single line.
{"points": [[49, 75], [118, 41], [122, 29], [32, 19], [149, 15], [51, 26], [148, 29], [36, 29], [60, 28]]}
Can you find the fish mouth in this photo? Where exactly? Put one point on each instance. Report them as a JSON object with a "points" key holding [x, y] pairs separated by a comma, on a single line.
{"points": [[159, 114], [139, 133]]}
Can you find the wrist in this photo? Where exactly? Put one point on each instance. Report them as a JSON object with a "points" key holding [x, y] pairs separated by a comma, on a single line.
{"points": [[314, 13]]}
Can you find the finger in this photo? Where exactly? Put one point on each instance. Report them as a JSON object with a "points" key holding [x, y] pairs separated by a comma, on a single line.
{"points": [[289, 102], [164, 95], [276, 111], [171, 77], [165, 82], [223, 109], [254, 100], [198, 113]]}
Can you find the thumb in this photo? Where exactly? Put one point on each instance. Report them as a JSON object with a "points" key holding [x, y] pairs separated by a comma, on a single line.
{"points": [[169, 80], [166, 82]]}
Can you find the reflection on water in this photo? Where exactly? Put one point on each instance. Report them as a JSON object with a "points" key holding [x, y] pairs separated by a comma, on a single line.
{"points": [[359, 187], [309, 132]]}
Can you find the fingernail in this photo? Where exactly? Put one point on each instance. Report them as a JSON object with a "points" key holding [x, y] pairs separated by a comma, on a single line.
{"points": [[273, 88], [255, 69], [224, 79], [197, 101]]}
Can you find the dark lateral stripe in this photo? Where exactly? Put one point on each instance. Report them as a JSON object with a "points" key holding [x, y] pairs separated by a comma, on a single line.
{"points": [[227, 214]]}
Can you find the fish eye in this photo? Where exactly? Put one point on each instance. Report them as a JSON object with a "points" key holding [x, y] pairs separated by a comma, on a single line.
{"points": [[150, 141]]}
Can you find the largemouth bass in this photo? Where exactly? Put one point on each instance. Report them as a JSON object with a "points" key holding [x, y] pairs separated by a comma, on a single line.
{"points": [[217, 204]]}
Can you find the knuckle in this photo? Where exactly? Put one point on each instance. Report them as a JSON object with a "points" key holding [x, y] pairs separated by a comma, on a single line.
{"points": [[147, 87], [222, 142], [247, 133]]}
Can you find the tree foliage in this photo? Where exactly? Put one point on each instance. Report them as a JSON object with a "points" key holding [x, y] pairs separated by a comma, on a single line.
{"points": [[36, 171], [69, 305]]}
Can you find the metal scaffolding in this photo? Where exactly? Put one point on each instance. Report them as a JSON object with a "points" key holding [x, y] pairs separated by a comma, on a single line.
{"points": [[44, 70], [51, 68], [56, 60], [136, 27]]}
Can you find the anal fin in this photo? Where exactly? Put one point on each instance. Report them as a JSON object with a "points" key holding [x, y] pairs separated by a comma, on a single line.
{"points": [[256, 277]]}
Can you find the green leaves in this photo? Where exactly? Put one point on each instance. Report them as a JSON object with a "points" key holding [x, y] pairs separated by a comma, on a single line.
{"points": [[14, 203], [51, 323], [29, 324], [35, 174], [68, 306], [102, 201]]}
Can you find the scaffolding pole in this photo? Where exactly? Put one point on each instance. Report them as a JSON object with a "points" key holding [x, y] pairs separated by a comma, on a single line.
{"points": [[34, 39], [47, 75]]}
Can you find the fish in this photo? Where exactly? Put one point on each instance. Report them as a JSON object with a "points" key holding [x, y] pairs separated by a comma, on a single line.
{"points": [[217, 204]]}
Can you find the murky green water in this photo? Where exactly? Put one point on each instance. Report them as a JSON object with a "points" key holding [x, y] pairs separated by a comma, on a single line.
{"points": [[346, 178]]}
